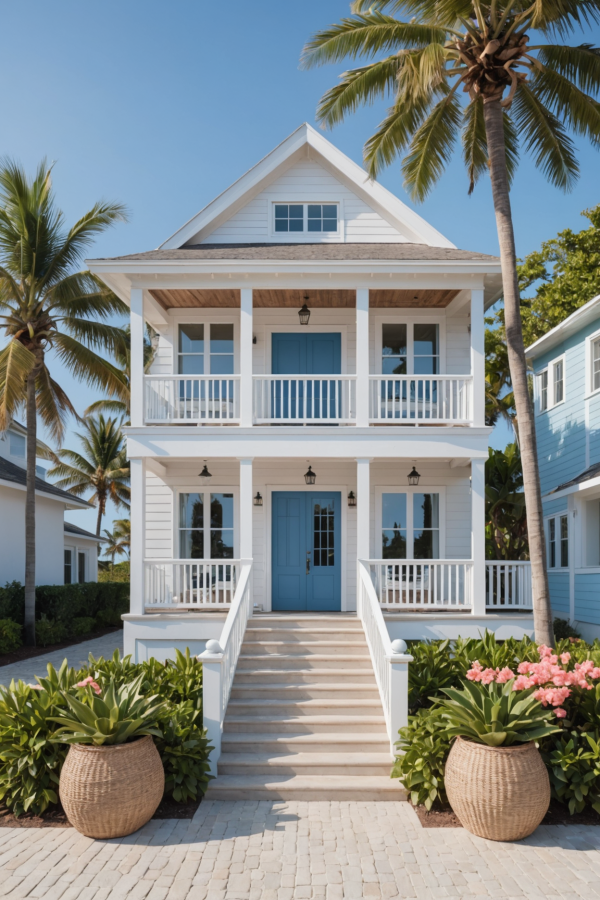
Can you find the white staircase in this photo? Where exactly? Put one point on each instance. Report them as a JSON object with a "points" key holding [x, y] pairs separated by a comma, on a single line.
{"points": [[304, 719]]}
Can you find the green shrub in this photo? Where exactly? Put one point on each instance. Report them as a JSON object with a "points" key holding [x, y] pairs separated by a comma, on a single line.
{"points": [[424, 746], [82, 625], [108, 618], [563, 629], [10, 635], [184, 751], [12, 602], [66, 602], [432, 670], [49, 631], [573, 762]]}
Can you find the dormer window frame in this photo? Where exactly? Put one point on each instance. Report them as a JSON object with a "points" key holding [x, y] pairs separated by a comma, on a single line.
{"points": [[592, 366], [309, 237], [551, 385]]}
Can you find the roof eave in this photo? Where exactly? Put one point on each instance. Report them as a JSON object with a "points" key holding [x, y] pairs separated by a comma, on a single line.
{"points": [[568, 326]]}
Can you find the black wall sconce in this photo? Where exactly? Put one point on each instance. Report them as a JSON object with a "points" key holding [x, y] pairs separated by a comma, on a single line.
{"points": [[205, 474], [413, 477], [258, 500], [310, 477], [304, 313], [352, 499]]}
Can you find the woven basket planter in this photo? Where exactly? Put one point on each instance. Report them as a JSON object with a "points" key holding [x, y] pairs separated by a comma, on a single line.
{"points": [[111, 791], [499, 793]]}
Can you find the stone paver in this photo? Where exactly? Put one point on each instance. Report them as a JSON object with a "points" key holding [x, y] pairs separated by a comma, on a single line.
{"points": [[77, 656], [261, 850]]}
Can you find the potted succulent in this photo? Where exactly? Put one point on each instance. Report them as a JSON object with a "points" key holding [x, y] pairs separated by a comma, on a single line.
{"points": [[495, 778], [113, 779]]}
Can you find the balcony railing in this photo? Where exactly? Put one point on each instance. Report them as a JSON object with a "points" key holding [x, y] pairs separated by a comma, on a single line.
{"points": [[193, 399], [422, 583], [508, 585], [443, 399], [190, 583], [304, 399]]}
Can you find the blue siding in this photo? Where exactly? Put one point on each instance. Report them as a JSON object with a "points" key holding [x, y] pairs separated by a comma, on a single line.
{"points": [[587, 598], [555, 507], [559, 592]]}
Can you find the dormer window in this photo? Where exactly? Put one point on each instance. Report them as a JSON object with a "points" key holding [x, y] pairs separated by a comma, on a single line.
{"points": [[17, 445], [306, 217]]}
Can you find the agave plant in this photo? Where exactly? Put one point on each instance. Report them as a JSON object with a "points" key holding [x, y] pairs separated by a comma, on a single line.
{"points": [[117, 715], [495, 714]]}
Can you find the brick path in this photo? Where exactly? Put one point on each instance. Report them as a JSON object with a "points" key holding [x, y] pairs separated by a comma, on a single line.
{"points": [[285, 850], [77, 656]]}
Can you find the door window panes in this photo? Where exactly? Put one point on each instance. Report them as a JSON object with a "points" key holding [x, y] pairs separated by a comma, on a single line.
{"points": [[394, 350], [191, 526], [68, 566], [289, 217], [426, 350], [559, 382], [81, 568], [191, 350], [221, 526], [394, 526], [426, 526], [552, 543], [564, 542], [323, 534], [321, 217]]}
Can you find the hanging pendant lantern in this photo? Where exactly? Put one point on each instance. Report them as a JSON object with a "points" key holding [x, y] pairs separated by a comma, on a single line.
{"points": [[413, 477], [352, 499], [205, 474], [304, 313], [310, 476]]}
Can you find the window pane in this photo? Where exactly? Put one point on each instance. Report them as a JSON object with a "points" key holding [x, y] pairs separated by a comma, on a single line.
{"points": [[281, 224], [191, 365], [552, 543], [543, 391], [558, 382], [426, 365], [221, 338], [426, 340], [191, 511], [314, 211], [81, 568], [221, 510], [393, 365], [426, 544], [596, 365], [314, 225], [393, 543], [297, 211], [329, 211], [191, 338], [393, 511], [221, 365], [68, 570], [221, 544], [281, 210], [394, 340], [191, 544], [296, 225], [564, 541], [17, 445], [426, 511]]}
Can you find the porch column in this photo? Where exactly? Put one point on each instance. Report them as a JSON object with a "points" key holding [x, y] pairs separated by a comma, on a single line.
{"points": [[362, 357], [363, 508], [246, 391], [138, 535], [137, 356], [478, 358], [478, 535], [246, 505]]}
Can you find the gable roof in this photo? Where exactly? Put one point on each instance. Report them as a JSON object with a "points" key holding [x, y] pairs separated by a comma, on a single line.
{"points": [[583, 316], [303, 142], [13, 474], [80, 532]]}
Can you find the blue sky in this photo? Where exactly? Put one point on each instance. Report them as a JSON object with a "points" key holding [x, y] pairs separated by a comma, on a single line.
{"points": [[162, 105]]}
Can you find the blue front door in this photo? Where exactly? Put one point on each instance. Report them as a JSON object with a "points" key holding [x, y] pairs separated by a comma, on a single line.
{"points": [[306, 551], [305, 354]]}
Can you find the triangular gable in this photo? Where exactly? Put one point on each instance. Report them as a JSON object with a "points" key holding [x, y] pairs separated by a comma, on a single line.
{"points": [[306, 147]]}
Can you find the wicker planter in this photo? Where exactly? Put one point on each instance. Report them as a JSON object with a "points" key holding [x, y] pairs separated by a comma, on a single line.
{"points": [[499, 793], [109, 792]]}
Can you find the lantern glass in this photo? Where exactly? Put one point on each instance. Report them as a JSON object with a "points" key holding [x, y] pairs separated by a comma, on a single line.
{"points": [[413, 477], [258, 500], [205, 475], [310, 476], [352, 499], [304, 314]]}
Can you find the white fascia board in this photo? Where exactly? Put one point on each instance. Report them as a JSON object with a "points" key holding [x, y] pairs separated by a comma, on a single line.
{"points": [[68, 504], [579, 319], [406, 220], [84, 537], [579, 488]]}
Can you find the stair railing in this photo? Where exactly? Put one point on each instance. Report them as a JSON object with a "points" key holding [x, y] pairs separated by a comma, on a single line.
{"points": [[219, 662], [390, 659]]}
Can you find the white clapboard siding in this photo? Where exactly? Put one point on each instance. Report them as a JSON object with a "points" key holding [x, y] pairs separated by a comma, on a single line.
{"points": [[458, 346]]}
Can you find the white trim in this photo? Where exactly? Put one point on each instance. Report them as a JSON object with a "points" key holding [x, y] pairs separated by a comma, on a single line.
{"points": [[207, 321], [587, 485], [208, 490], [549, 369], [379, 490], [590, 391], [577, 320], [557, 540], [398, 317]]}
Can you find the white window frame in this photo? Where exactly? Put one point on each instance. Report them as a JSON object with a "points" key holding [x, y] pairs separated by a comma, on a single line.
{"points": [[410, 322], [304, 235], [380, 490], [590, 390], [556, 518], [210, 489], [549, 370], [205, 318]]}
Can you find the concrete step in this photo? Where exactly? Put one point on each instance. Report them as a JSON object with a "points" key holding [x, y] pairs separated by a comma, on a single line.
{"points": [[263, 707], [305, 787], [291, 661], [321, 742], [306, 620], [306, 763], [305, 648], [278, 723], [305, 676], [299, 635], [345, 690]]}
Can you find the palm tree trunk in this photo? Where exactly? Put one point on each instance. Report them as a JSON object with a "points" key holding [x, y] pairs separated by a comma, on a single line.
{"points": [[101, 504], [31, 422], [542, 613]]}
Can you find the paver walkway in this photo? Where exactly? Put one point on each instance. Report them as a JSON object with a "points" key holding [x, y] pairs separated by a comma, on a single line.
{"points": [[262, 850], [77, 656]]}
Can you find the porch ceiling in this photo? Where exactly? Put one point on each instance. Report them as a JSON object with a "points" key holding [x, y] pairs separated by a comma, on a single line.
{"points": [[182, 298]]}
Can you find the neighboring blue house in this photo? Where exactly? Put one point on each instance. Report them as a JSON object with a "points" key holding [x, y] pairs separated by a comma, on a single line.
{"points": [[566, 366]]}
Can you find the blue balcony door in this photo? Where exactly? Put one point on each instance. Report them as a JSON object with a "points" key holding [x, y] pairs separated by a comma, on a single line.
{"points": [[306, 551], [305, 354]]}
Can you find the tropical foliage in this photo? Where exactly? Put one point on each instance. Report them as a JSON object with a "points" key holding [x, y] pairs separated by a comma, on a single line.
{"points": [[118, 541], [505, 513], [47, 304], [120, 404], [423, 749]]}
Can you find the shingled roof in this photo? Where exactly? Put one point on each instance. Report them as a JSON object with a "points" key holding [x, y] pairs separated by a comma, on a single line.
{"points": [[81, 532], [17, 475]]}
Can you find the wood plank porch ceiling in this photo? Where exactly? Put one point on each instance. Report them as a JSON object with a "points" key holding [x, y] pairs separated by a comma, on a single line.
{"points": [[378, 299]]}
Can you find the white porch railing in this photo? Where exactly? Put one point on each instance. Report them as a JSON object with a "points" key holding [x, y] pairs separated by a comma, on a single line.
{"points": [[422, 583], [508, 584], [219, 661], [192, 398], [390, 661], [444, 399], [304, 399], [190, 583]]}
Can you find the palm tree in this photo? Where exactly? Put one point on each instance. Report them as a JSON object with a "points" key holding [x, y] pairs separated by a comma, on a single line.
{"points": [[118, 541], [514, 92], [122, 353], [102, 467], [47, 304]]}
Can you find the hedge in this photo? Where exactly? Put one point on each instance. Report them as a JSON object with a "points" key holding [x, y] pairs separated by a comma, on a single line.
{"points": [[105, 602]]}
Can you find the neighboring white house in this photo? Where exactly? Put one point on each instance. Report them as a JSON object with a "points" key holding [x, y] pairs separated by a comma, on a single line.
{"points": [[57, 542]]}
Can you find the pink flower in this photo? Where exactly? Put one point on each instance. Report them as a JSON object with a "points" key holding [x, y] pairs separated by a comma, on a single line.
{"points": [[564, 658], [524, 668], [89, 680], [35, 687], [560, 713], [552, 696], [474, 673], [522, 682], [487, 676], [504, 675], [544, 651]]}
